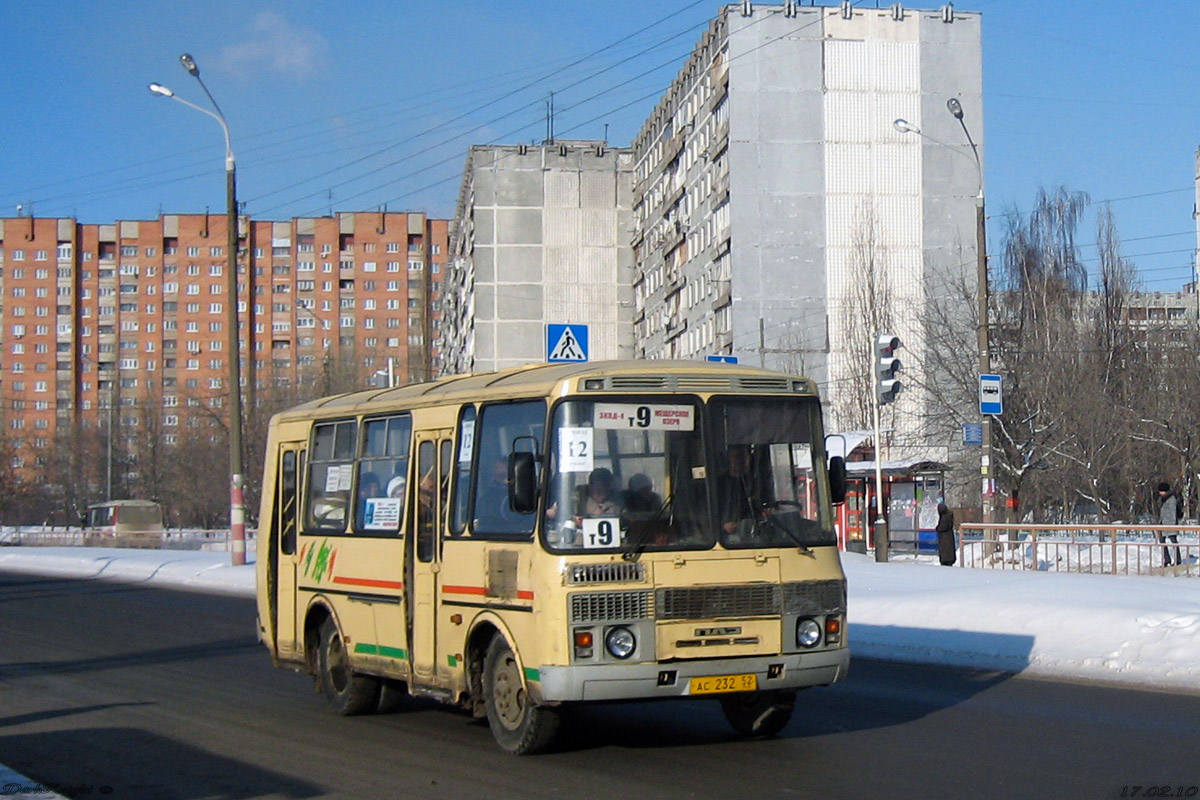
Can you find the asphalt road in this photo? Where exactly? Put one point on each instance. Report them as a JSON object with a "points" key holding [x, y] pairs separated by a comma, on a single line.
{"points": [[111, 690]]}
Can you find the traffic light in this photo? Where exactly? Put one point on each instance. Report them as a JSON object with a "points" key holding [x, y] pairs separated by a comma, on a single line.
{"points": [[886, 366]]}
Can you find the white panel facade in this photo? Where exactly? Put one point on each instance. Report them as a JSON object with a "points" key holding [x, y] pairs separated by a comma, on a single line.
{"points": [[771, 172], [537, 243]]}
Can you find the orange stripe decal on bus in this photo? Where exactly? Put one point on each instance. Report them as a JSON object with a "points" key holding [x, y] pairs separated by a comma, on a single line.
{"points": [[369, 582], [481, 592]]}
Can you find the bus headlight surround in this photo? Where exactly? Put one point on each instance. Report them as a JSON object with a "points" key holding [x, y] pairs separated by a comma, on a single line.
{"points": [[808, 632], [620, 642]]}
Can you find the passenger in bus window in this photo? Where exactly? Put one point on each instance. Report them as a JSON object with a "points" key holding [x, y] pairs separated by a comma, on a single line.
{"points": [[641, 497], [493, 495], [425, 516], [602, 499]]}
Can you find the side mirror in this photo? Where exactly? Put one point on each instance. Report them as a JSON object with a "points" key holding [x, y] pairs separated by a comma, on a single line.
{"points": [[837, 479], [522, 483]]}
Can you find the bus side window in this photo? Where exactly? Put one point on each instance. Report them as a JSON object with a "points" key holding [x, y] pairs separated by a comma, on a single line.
{"points": [[382, 475], [288, 497], [331, 476], [427, 501], [503, 429], [462, 472]]}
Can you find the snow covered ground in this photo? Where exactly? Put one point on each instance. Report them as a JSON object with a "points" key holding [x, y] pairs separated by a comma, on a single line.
{"points": [[1134, 630]]}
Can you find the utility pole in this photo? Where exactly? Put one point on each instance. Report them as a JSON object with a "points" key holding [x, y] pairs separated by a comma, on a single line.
{"points": [[237, 503]]}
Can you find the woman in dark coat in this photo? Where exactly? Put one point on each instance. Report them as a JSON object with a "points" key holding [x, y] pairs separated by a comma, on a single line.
{"points": [[945, 536]]}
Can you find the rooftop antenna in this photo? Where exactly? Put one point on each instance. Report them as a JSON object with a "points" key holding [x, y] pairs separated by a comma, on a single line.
{"points": [[606, 133], [550, 119]]}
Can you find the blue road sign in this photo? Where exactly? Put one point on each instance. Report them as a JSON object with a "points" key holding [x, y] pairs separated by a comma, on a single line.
{"points": [[722, 359], [973, 434], [991, 396], [566, 343]]}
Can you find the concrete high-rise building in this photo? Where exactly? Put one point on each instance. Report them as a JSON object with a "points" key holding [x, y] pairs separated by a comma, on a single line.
{"points": [[125, 324], [541, 237], [782, 218]]}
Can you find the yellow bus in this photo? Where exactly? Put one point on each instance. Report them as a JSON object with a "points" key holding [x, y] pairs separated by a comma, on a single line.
{"points": [[517, 541]]}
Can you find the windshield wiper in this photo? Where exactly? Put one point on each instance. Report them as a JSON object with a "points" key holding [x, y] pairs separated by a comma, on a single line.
{"points": [[793, 535], [639, 546]]}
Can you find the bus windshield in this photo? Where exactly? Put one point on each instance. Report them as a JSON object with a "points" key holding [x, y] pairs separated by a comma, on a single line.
{"points": [[764, 480], [627, 474], [635, 474]]}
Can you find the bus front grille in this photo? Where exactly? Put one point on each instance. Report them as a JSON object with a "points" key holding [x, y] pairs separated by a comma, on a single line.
{"points": [[611, 606], [814, 597], [712, 602]]}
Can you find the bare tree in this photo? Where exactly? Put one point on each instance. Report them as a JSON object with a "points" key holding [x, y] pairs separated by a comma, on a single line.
{"points": [[867, 313]]}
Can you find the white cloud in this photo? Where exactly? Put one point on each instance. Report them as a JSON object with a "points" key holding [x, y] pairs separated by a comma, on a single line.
{"points": [[276, 45]]}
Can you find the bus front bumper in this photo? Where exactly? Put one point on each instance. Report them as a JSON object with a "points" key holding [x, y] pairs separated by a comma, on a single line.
{"points": [[674, 679]]}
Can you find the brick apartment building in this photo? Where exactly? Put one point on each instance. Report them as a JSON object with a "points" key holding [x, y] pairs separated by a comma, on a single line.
{"points": [[114, 324]]}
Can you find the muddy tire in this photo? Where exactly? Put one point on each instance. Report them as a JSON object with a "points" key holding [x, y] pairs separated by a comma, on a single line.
{"points": [[392, 694], [348, 692], [519, 726], [758, 713]]}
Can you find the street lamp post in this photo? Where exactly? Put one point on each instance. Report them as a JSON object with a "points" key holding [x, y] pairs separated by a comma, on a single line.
{"points": [[237, 503], [987, 494]]}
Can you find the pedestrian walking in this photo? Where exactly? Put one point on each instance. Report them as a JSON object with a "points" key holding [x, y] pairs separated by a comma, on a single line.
{"points": [[1169, 513], [947, 552]]}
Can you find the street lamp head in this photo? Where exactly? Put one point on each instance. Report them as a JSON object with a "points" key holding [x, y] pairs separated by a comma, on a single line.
{"points": [[158, 88], [189, 64], [904, 126], [955, 108]]}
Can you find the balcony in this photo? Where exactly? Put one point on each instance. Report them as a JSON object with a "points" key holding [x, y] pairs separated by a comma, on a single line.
{"points": [[724, 297], [721, 188], [673, 237]]}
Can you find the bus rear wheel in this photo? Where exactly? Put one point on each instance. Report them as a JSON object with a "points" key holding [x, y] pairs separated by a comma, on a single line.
{"points": [[518, 725], [348, 692], [758, 713]]}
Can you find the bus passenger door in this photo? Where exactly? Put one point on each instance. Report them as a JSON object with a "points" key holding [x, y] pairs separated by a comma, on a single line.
{"points": [[285, 526], [434, 453]]}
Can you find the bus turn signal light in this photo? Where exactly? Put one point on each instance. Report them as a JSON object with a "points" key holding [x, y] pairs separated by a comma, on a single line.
{"points": [[833, 630]]}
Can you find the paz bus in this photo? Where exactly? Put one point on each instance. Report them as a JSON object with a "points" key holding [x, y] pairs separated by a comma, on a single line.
{"points": [[515, 542]]}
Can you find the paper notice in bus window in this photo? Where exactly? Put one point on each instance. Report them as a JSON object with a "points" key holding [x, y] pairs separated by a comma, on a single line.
{"points": [[333, 476], [346, 480], [467, 445], [575, 450], [383, 514], [632, 416]]}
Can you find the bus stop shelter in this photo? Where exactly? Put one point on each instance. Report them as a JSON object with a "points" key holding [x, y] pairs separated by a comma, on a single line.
{"points": [[912, 488]]}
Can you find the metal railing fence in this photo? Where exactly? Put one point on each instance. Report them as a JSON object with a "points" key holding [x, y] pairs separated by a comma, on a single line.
{"points": [[1118, 549], [177, 539]]}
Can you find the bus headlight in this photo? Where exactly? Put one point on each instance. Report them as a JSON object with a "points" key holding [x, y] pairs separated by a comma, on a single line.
{"points": [[808, 632], [620, 642]]}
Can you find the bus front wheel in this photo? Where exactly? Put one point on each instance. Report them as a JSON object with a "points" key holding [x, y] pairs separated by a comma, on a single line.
{"points": [[758, 713], [348, 692], [519, 726]]}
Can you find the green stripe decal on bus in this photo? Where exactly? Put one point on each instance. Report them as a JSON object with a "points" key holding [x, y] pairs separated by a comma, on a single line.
{"points": [[380, 650], [452, 661], [532, 674]]}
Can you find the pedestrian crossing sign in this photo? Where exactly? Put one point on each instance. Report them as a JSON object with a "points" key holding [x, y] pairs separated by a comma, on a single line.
{"points": [[566, 343]]}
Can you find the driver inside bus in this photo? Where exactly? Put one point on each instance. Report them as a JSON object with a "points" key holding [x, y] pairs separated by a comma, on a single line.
{"points": [[736, 493]]}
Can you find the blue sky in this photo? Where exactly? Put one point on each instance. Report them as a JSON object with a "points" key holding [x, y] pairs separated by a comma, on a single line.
{"points": [[354, 105]]}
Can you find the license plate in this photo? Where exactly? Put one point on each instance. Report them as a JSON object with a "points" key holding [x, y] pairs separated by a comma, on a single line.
{"points": [[715, 684]]}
